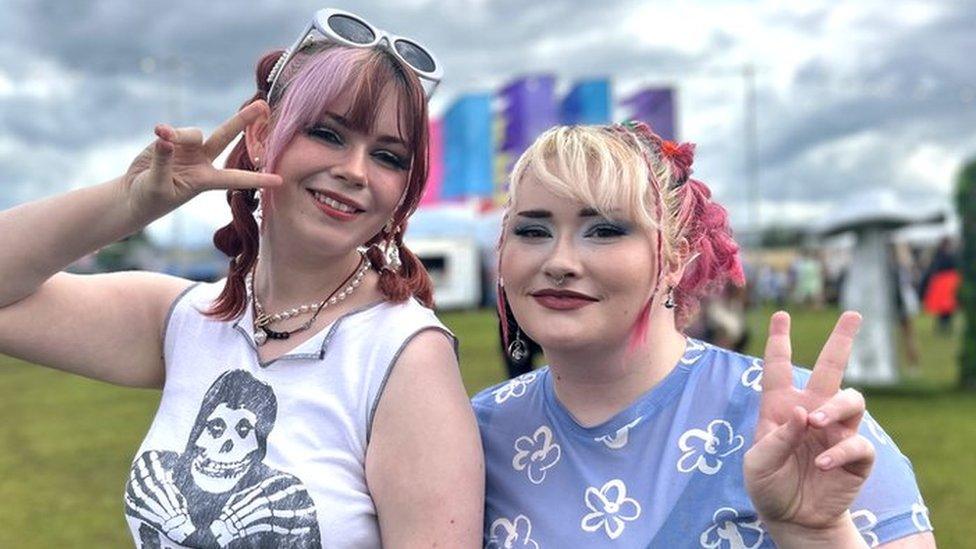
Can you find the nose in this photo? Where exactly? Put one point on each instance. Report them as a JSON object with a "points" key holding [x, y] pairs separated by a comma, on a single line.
{"points": [[227, 446], [351, 168], [562, 263]]}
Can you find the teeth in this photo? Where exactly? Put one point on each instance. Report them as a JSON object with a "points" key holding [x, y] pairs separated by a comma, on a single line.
{"points": [[333, 203]]}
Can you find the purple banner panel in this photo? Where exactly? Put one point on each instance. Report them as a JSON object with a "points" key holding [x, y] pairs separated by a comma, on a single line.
{"points": [[528, 108], [655, 106]]}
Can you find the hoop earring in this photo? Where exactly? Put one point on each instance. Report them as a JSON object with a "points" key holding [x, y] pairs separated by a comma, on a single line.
{"points": [[669, 302], [518, 349]]}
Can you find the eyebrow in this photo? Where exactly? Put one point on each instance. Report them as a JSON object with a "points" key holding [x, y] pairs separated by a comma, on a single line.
{"points": [[545, 214], [385, 139]]}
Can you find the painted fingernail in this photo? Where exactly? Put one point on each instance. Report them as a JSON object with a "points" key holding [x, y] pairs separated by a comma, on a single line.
{"points": [[824, 462], [819, 417]]}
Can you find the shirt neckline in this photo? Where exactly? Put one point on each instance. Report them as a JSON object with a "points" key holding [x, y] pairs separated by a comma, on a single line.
{"points": [[300, 351], [643, 407]]}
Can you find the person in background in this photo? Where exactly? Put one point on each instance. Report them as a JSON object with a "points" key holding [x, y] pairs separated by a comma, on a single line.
{"points": [[940, 285]]}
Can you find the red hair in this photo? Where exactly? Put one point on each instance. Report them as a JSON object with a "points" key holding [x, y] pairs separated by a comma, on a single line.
{"points": [[306, 92]]}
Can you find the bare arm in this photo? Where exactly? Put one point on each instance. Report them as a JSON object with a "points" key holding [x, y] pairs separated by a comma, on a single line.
{"points": [[105, 326], [424, 464]]}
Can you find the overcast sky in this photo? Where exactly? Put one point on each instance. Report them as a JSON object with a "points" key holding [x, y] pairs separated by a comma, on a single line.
{"points": [[852, 96]]}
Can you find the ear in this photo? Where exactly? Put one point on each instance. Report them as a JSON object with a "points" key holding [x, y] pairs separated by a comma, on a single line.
{"points": [[257, 131], [684, 257]]}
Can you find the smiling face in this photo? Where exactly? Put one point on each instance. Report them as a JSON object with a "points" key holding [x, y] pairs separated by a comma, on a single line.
{"points": [[341, 184], [606, 266]]}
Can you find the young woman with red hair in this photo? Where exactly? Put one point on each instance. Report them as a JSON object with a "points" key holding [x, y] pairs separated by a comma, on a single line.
{"points": [[312, 397], [635, 435]]}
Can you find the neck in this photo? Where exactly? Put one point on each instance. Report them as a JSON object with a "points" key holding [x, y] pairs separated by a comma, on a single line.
{"points": [[597, 382], [288, 276]]}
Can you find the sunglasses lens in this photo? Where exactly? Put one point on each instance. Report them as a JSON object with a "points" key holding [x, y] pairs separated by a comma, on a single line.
{"points": [[351, 29], [415, 55]]}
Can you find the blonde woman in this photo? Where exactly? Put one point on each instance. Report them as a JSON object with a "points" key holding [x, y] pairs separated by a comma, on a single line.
{"points": [[635, 435]]}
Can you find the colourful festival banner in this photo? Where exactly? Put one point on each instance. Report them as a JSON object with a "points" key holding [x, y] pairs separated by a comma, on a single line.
{"points": [[468, 149], [655, 106], [435, 166], [588, 102]]}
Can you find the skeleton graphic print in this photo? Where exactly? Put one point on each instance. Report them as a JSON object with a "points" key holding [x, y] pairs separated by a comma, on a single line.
{"points": [[219, 492]]}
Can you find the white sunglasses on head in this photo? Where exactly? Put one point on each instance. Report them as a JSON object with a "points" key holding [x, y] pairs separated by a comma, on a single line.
{"points": [[352, 30]]}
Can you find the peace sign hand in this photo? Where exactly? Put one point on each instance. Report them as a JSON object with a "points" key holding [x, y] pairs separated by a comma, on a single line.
{"points": [[179, 165], [808, 461]]}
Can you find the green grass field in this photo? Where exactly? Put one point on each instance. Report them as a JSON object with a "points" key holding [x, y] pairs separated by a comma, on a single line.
{"points": [[66, 442]]}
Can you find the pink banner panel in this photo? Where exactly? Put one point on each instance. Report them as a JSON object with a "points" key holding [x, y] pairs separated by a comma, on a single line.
{"points": [[435, 171]]}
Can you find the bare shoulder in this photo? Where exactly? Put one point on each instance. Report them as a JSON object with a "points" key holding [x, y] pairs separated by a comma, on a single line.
{"points": [[424, 457], [103, 326]]}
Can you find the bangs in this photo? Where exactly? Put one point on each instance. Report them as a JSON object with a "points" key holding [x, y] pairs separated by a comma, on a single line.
{"points": [[365, 73], [592, 166]]}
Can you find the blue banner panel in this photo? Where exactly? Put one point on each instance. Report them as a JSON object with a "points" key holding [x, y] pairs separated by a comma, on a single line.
{"points": [[468, 150], [588, 102]]}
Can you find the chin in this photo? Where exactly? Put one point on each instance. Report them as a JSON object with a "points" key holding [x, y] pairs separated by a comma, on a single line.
{"points": [[554, 339]]}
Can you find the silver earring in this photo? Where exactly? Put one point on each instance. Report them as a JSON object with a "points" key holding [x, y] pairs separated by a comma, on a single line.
{"points": [[517, 349], [391, 252], [258, 213], [669, 302]]}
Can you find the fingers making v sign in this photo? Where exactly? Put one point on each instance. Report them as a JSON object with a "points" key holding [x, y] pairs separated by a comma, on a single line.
{"points": [[178, 165], [808, 462]]}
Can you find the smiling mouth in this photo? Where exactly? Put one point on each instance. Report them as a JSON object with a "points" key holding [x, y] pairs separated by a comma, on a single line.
{"points": [[333, 203]]}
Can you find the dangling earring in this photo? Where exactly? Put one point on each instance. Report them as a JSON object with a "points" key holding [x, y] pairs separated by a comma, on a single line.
{"points": [[258, 213], [669, 302], [518, 349], [391, 252]]}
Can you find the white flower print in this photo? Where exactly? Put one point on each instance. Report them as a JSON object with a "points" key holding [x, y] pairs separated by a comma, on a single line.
{"points": [[514, 388], [752, 377], [536, 454], [704, 449], [695, 350], [609, 507], [920, 515], [619, 439], [865, 520], [511, 534], [729, 530]]}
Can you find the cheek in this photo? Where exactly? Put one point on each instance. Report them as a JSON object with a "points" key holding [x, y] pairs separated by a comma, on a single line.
{"points": [[519, 263], [626, 273]]}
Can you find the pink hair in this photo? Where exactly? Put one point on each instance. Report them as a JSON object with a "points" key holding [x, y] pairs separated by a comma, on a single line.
{"points": [[317, 77]]}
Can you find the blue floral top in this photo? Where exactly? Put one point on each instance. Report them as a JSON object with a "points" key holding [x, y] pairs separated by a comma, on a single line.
{"points": [[664, 472]]}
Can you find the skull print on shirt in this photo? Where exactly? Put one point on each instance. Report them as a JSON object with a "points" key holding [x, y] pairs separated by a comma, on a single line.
{"points": [[219, 492]]}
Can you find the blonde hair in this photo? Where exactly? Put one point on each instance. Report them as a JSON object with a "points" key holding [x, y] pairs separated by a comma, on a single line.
{"points": [[629, 172], [604, 168]]}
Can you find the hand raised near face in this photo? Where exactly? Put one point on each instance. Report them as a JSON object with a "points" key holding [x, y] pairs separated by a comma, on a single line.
{"points": [[179, 165], [808, 462]]}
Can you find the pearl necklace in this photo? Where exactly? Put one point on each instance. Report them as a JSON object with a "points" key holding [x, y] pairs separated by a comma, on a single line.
{"points": [[262, 319]]}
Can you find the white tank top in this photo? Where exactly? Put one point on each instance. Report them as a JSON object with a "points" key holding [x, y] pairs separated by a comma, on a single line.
{"points": [[245, 454]]}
